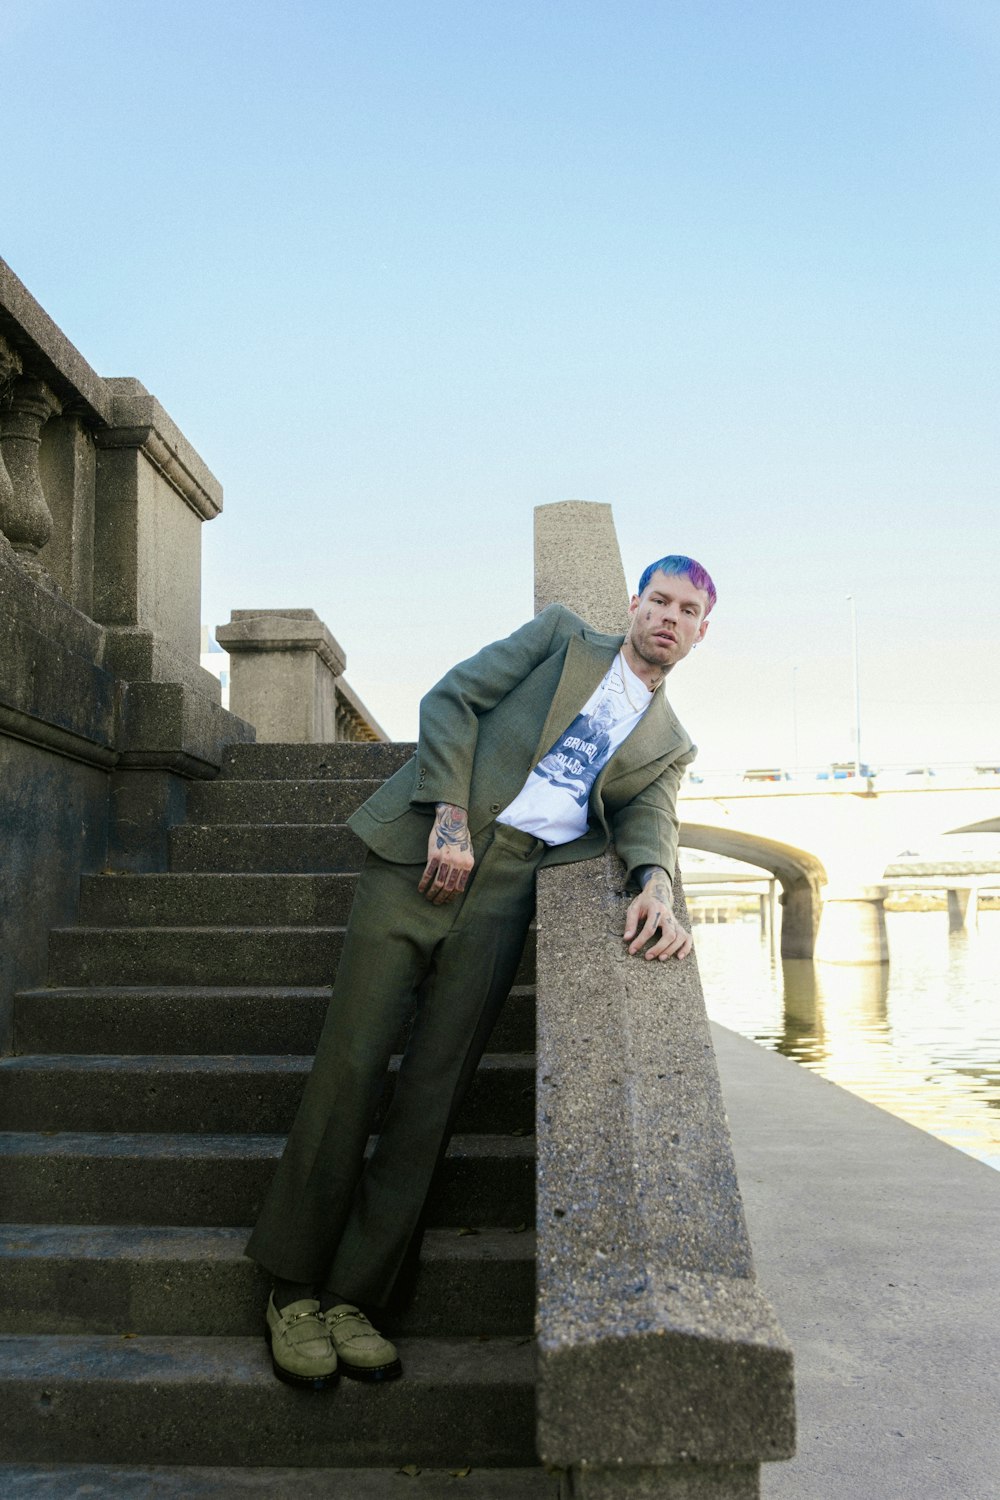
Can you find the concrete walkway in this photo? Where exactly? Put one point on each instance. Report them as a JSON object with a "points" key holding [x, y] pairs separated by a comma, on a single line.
{"points": [[878, 1246]]}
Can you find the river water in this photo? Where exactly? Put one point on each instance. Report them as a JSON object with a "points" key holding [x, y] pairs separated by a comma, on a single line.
{"points": [[919, 1036]]}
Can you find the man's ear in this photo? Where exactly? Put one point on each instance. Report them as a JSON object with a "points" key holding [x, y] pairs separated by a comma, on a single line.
{"points": [[633, 604], [701, 630]]}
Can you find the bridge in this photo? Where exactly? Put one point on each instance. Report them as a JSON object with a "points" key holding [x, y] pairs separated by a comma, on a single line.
{"points": [[829, 843]]}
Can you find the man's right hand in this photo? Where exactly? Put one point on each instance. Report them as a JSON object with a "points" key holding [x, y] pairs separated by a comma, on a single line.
{"points": [[449, 855]]}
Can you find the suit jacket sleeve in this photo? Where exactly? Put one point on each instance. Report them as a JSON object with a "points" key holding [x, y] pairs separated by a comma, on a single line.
{"points": [[645, 831], [449, 712]]}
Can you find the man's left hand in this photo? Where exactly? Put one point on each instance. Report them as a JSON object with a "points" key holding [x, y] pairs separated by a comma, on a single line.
{"points": [[652, 912]]}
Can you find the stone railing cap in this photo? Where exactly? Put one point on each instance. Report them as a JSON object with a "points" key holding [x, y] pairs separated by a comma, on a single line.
{"points": [[282, 630], [49, 353], [138, 420]]}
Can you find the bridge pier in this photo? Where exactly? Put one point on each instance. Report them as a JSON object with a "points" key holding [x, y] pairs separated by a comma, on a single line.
{"points": [[801, 907], [852, 927], [963, 908]]}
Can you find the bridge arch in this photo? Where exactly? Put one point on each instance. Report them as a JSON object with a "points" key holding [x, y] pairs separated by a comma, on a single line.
{"points": [[800, 873], [990, 825]]}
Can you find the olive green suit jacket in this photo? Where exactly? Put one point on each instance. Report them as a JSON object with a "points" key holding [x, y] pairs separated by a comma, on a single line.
{"points": [[489, 721]]}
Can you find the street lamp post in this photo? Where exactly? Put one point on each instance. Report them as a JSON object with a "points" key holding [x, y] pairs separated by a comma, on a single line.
{"points": [[795, 720], [857, 686]]}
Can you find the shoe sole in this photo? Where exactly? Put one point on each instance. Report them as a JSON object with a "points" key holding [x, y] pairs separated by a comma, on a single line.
{"points": [[300, 1382], [374, 1375]]}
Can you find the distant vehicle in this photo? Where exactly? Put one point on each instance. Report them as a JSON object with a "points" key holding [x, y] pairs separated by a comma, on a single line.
{"points": [[767, 773], [840, 770], [987, 770], [921, 771]]}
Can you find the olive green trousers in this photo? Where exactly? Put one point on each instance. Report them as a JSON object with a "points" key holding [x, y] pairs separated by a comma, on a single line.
{"points": [[331, 1216]]}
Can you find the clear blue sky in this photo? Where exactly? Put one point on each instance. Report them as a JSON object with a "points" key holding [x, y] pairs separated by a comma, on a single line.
{"points": [[402, 271]]}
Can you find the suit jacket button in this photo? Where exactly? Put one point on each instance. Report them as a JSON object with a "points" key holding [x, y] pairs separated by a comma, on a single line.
{"points": [[494, 807]]}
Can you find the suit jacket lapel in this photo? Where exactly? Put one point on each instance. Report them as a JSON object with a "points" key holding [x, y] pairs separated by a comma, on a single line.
{"points": [[586, 663], [655, 735]]}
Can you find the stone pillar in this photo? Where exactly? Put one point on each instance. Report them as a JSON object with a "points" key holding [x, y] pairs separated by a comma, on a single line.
{"points": [[771, 908], [153, 494], [284, 666], [661, 1370], [801, 905], [963, 908], [577, 558], [852, 927], [26, 518]]}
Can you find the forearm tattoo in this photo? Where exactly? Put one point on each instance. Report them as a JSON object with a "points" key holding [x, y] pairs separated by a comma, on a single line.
{"points": [[451, 828]]}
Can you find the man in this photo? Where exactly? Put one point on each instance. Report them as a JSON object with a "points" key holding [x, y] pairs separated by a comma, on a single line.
{"points": [[538, 750]]}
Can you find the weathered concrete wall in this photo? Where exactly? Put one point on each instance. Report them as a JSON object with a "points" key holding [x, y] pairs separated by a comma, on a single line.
{"points": [[58, 712], [53, 828]]}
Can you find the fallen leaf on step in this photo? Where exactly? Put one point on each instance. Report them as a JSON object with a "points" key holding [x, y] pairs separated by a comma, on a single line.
{"points": [[411, 1469], [519, 1229], [460, 1473], [467, 1230]]}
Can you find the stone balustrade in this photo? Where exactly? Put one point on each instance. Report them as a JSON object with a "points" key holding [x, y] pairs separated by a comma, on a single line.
{"points": [[287, 679], [105, 711], [662, 1371], [101, 497]]}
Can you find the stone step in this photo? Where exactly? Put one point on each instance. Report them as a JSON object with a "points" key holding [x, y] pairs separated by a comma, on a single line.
{"points": [[77, 1178], [216, 1095], [265, 802], [310, 762], [159, 1400], [191, 1482], [216, 900], [207, 955], [292, 848], [193, 1019], [121, 1279]]}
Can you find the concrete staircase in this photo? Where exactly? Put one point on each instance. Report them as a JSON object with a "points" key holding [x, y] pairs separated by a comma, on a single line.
{"points": [[142, 1115]]}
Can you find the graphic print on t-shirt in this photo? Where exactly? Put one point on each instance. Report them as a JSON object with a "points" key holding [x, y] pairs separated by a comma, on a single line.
{"points": [[574, 761], [554, 800]]}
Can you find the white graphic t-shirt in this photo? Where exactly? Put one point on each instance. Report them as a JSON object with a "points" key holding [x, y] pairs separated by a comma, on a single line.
{"points": [[552, 804]]}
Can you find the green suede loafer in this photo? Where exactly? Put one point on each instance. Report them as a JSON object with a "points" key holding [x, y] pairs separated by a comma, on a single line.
{"points": [[363, 1353], [302, 1352]]}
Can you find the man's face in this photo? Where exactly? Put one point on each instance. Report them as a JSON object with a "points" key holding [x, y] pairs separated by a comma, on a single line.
{"points": [[667, 619]]}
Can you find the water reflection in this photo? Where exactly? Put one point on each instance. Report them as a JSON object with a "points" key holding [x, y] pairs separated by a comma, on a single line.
{"points": [[825, 1003], [919, 1036]]}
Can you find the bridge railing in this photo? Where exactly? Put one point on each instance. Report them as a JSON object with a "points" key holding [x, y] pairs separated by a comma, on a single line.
{"points": [[823, 778], [661, 1368]]}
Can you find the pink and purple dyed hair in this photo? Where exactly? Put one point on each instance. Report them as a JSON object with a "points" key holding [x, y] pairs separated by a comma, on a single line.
{"points": [[676, 564]]}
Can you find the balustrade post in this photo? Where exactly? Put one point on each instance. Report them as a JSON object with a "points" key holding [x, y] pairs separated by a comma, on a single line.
{"points": [[26, 518], [10, 368]]}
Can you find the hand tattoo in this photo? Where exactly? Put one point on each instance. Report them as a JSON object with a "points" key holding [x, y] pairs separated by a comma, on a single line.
{"points": [[656, 883], [451, 828]]}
